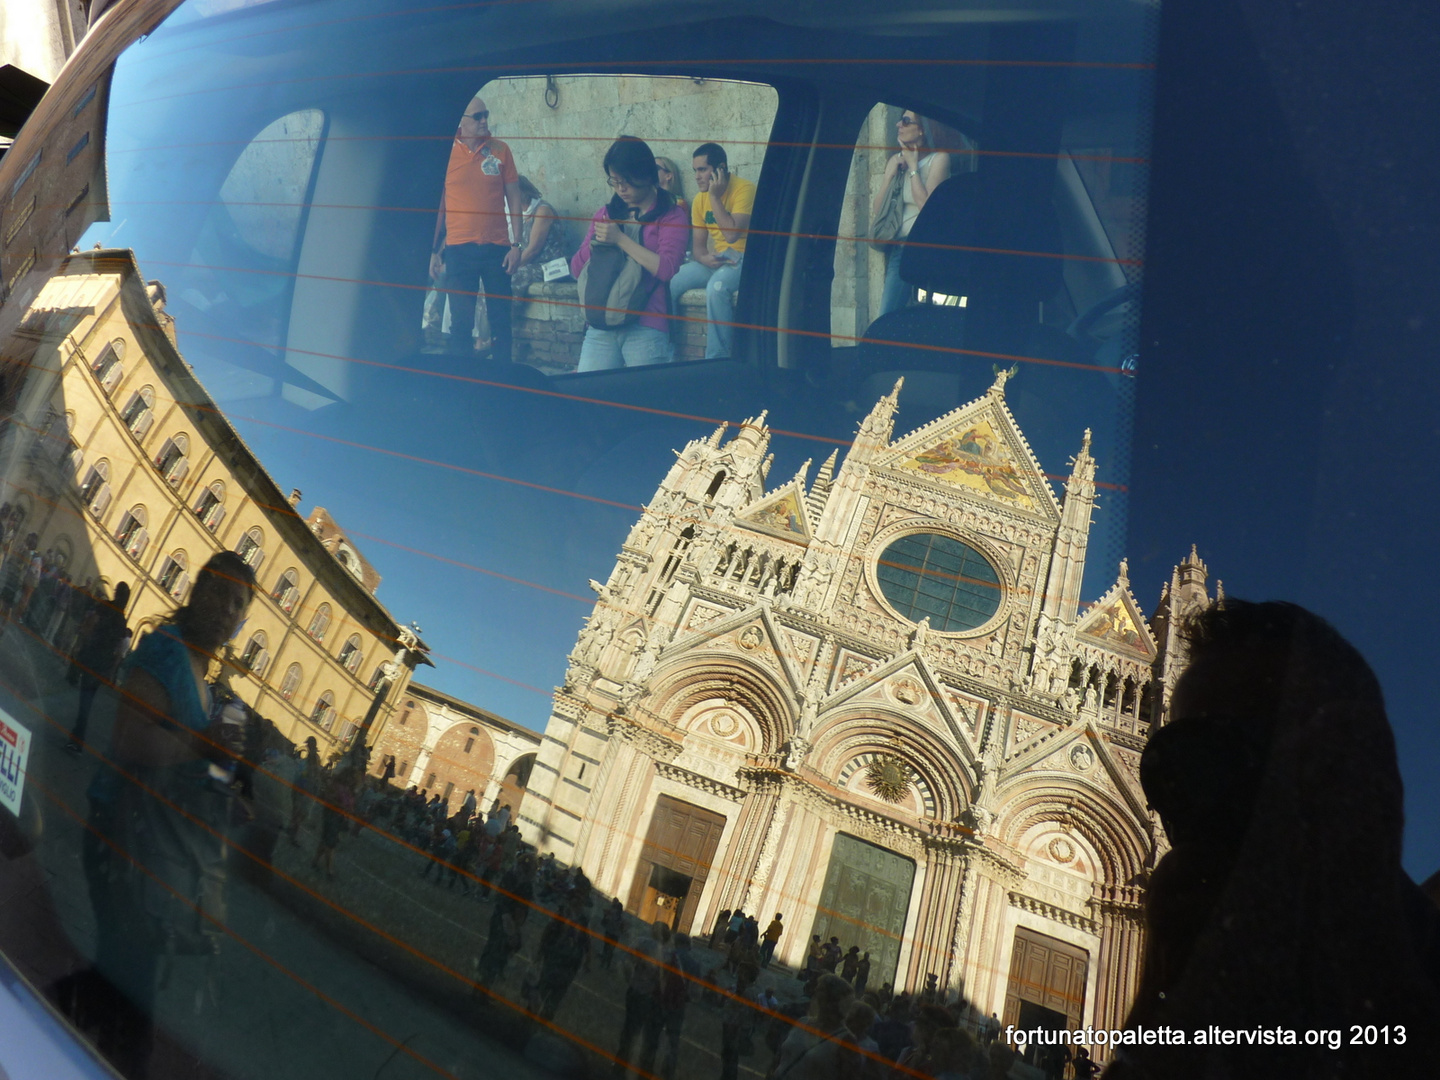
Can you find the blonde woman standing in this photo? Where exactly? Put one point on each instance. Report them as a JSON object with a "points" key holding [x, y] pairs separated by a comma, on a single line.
{"points": [[921, 168]]}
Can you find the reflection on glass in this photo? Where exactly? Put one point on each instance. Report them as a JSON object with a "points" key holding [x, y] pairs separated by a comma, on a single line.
{"points": [[821, 647], [550, 152]]}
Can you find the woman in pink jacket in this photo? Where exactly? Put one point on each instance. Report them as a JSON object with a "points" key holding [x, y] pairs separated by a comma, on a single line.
{"points": [[631, 173]]}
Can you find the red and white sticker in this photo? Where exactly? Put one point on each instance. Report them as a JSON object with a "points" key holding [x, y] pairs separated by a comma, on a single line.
{"points": [[14, 760]]}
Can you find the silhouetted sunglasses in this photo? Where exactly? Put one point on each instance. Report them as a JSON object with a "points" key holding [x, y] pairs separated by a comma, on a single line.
{"points": [[483, 114]]}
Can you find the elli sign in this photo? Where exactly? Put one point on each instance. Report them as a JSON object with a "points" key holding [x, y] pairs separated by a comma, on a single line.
{"points": [[14, 756]]}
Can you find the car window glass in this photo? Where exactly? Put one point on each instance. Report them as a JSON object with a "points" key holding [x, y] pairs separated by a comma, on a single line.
{"points": [[691, 611], [546, 127]]}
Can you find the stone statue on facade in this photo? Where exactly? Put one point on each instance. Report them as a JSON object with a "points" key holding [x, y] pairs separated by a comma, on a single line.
{"points": [[795, 751], [645, 665], [643, 532], [977, 818], [1057, 680], [817, 581], [620, 579], [596, 635], [920, 633], [809, 711], [629, 695]]}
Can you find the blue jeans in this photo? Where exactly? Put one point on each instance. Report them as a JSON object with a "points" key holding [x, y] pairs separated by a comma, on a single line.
{"points": [[720, 287], [627, 346], [896, 292]]}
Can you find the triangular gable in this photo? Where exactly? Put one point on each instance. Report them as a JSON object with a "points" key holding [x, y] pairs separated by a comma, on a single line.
{"points": [[905, 683], [781, 514], [1082, 752], [979, 449], [750, 633], [1115, 622]]}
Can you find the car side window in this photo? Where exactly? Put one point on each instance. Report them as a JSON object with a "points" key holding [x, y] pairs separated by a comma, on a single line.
{"points": [[535, 138], [877, 214]]}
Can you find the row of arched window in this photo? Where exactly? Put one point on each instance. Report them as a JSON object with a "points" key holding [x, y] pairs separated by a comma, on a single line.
{"points": [[132, 533], [256, 654], [172, 461], [133, 536], [138, 415], [323, 713]]}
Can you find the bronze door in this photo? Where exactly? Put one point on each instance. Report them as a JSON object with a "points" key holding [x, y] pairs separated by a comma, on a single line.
{"points": [[864, 902]]}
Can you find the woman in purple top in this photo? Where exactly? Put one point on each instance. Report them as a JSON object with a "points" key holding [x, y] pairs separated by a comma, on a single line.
{"points": [[631, 173]]}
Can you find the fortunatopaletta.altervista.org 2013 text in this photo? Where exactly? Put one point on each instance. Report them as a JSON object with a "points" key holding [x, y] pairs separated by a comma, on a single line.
{"points": [[1214, 1035]]}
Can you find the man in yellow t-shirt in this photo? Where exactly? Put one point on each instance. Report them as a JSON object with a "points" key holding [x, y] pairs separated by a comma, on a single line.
{"points": [[720, 218]]}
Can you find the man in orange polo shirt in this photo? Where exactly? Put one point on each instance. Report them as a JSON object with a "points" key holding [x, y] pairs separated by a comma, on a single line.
{"points": [[472, 244]]}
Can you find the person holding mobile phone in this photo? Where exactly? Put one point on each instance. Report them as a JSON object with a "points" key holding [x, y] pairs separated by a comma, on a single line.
{"points": [[719, 219], [921, 167]]}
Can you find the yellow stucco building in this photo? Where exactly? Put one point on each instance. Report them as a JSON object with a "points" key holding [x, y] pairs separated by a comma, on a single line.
{"points": [[126, 470]]}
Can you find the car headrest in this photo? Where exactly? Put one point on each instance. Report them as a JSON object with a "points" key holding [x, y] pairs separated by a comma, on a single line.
{"points": [[973, 239]]}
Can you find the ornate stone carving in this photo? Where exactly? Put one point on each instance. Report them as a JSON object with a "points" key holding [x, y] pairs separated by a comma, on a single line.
{"points": [[649, 742], [906, 691], [699, 781], [1026, 729], [766, 861], [852, 667], [1061, 850], [888, 777], [723, 724], [702, 615], [977, 818], [1050, 911]]}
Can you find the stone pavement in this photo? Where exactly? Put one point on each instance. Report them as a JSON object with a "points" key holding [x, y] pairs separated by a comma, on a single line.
{"points": [[364, 975], [281, 1001]]}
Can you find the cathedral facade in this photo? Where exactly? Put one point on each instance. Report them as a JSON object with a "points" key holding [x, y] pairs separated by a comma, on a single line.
{"points": [[872, 702]]}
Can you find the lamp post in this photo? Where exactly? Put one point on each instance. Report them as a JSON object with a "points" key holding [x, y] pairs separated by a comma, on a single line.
{"points": [[410, 653]]}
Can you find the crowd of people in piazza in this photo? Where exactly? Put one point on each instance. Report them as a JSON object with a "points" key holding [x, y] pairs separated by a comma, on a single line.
{"points": [[189, 775], [191, 772], [482, 856], [495, 236], [547, 926], [36, 590]]}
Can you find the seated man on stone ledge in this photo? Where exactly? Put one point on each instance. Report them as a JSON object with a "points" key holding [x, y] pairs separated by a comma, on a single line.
{"points": [[720, 218], [1282, 902]]}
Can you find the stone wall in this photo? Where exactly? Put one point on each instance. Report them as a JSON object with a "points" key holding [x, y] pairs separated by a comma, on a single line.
{"points": [[560, 149], [549, 326]]}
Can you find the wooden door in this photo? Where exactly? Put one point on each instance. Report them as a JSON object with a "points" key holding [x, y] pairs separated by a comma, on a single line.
{"points": [[1046, 972], [681, 842]]}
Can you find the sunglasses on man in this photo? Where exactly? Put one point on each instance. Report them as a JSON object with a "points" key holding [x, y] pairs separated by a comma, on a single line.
{"points": [[479, 117]]}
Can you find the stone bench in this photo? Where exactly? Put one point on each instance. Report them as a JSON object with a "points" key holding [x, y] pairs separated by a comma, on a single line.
{"points": [[549, 326]]}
